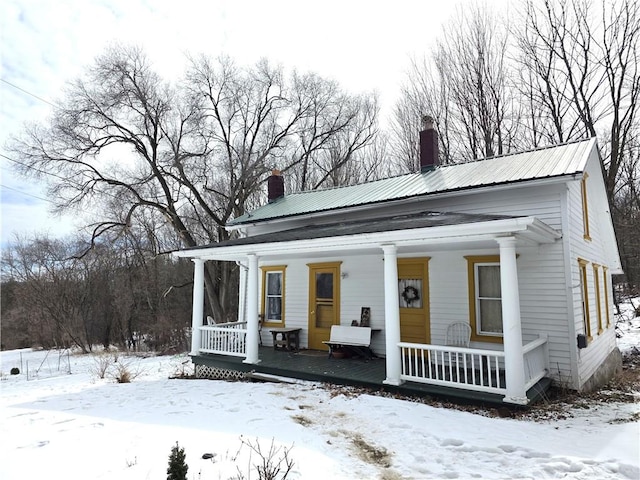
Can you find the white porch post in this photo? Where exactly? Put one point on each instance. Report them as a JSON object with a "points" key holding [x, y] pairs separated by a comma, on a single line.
{"points": [[198, 305], [242, 292], [511, 324], [391, 315], [252, 311]]}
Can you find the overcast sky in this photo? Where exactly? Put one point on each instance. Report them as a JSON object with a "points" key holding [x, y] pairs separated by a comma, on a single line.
{"points": [[364, 45]]}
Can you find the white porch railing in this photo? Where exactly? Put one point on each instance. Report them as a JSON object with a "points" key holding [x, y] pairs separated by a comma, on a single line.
{"points": [[536, 361], [224, 338], [468, 368], [458, 367]]}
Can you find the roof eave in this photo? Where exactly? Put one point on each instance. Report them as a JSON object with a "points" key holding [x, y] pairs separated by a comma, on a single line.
{"points": [[529, 229]]}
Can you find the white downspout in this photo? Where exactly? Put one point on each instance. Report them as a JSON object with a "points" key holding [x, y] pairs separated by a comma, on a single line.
{"points": [[511, 323]]}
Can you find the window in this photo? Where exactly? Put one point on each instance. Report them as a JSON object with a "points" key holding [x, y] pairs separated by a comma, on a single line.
{"points": [[585, 207], [584, 291], [273, 295], [485, 298], [606, 295], [596, 284]]}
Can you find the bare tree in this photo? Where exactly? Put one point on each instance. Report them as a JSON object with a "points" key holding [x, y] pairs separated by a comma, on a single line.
{"points": [[342, 158], [465, 85], [196, 155], [119, 292], [620, 61], [57, 288], [580, 75], [581, 69]]}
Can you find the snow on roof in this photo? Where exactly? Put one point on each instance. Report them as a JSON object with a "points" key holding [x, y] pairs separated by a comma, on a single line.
{"points": [[548, 162]]}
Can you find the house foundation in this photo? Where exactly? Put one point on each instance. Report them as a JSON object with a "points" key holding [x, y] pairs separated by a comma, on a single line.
{"points": [[608, 369]]}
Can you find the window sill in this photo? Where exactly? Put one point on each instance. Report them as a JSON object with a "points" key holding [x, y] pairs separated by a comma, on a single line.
{"points": [[273, 324], [486, 338]]}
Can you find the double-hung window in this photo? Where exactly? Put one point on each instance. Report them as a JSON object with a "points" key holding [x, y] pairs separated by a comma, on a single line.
{"points": [[485, 298], [584, 292], [273, 295]]}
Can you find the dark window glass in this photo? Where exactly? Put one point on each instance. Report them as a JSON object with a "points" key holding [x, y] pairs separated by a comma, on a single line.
{"points": [[324, 285]]}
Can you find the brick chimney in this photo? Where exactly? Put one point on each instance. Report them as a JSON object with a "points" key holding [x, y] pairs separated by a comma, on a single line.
{"points": [[428, 145], [275, 186]]}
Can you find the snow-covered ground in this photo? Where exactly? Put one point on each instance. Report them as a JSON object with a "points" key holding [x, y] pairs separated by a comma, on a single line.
{"points": [[57, 425]]}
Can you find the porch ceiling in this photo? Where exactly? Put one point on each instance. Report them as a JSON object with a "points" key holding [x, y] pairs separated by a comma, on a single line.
{"points": [[410, 233]]}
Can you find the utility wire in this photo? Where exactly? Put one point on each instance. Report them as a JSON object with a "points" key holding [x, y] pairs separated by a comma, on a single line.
{"points": [[44, 172], [27, 92], [25, 193]]}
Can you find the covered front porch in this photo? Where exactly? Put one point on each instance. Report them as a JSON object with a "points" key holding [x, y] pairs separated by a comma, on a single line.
{"points": [[367, 373], [507, 370], [437, 369]]}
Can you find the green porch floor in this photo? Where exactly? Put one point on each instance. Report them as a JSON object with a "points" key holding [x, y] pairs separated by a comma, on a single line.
{"points": [[370, 373]]}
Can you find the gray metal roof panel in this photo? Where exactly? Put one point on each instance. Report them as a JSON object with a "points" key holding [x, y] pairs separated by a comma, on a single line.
{"points": [[382, 224], [566, 159]]}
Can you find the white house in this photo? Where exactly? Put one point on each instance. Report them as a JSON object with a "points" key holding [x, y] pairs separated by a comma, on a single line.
{"points": [[520, 247]]}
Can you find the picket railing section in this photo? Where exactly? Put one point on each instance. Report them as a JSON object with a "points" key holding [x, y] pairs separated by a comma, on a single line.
{"points": [[224, 338], [457, 367], [470, 368], [536, 361]]}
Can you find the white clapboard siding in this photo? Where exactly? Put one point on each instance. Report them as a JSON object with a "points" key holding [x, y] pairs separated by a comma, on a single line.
{"points": [[550, 300], [590, 358]]}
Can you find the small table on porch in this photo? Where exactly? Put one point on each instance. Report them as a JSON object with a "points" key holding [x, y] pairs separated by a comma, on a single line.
{"points": [[289, 338]]}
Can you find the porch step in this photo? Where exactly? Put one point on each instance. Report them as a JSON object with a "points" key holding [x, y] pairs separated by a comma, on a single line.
{"points": [[265, 377], [539, 390]]}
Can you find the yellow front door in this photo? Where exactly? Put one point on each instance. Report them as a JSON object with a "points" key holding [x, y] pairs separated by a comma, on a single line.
{"points": [[324, 302], [413, 289]]}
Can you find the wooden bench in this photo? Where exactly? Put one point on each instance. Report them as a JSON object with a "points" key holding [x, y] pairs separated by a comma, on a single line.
{"points": [[355, 339]]}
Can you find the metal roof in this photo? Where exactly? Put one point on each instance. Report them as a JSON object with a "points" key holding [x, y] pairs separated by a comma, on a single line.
{"points": [[381, 224], [438, 229], [549, 162]]}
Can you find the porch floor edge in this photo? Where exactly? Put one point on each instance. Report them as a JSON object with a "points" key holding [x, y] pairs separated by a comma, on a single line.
{"points": [[368, 373]]}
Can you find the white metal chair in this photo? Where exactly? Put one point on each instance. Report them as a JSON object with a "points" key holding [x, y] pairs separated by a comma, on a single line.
{"points": [[458, 335]]}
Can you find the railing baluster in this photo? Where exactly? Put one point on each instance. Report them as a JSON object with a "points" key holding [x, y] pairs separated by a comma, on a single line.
{"points": [[473, 369], [464, 368], [413, 362], [403, 360]]}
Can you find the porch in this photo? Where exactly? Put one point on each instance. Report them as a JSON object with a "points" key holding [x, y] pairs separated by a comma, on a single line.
{"points": [[456, 372], [368, 264], [369, 373]]}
